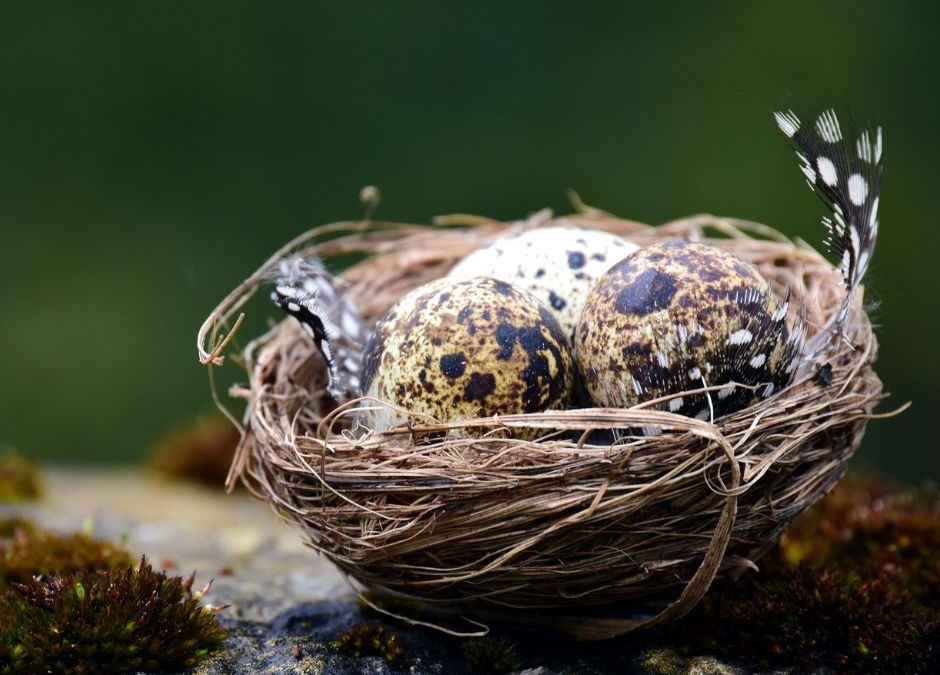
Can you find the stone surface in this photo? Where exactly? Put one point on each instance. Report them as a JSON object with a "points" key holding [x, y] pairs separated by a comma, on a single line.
{"points": [[286, 604]]}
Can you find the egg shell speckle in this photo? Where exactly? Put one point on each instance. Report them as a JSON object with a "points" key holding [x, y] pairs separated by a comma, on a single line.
{"points": [[676, 316], [459, 349], [559, 265]]}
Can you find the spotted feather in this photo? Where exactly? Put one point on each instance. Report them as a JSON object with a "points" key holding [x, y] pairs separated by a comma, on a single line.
{"points": [[304, 289], [845, 172]]}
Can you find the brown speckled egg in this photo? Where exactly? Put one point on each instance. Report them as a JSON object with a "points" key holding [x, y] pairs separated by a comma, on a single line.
{"points": [[462, 349], [678, 316], [559, 265]]}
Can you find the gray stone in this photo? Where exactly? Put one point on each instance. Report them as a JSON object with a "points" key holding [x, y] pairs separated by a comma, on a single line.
{"points": [[286, 604]]}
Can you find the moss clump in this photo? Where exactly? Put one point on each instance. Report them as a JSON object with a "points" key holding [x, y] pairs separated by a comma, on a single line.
{"points": [[201, 450], [77, 604], [13, 526], [105, 622], [491, 655], [366, 639], [32, 553], [871, 522], [809, 616], [19, 478], [852, 587]]}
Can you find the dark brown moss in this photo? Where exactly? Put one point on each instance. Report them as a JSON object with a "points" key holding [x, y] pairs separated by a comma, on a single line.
{"points": [[806, 617], [852, 587], [366, 639], [201, 450], [19, 478], [870, 520], [105, 622], [491, 655]]}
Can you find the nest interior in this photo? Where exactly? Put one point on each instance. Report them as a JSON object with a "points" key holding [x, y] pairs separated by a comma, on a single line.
{"points": [[561, 529]]}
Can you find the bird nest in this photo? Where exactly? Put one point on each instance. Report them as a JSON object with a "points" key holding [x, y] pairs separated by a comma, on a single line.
{"points": [[595, 534]]}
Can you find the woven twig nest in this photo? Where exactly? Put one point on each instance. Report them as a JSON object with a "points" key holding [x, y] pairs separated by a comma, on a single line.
{"points": [[566, 525]]}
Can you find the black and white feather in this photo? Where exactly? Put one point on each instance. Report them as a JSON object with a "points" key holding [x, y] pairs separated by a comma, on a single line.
{"points": [[845, 171], [304, 289]]}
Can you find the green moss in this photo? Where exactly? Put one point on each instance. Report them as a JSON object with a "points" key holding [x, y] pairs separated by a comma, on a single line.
{"points": [[201, 450], [31, 553], [13, 526], [491, 655], [365, 639], [105, 622], [658, 661], [19, 478], [852, 587]]}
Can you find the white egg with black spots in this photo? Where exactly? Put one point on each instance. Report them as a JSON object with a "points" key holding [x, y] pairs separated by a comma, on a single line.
{"points": [[559, 265], [460, 349], [678, 316]]}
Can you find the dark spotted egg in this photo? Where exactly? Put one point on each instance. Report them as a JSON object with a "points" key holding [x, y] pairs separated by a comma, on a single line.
{"points": [[459, 349], [678, 316], [558, 265]]}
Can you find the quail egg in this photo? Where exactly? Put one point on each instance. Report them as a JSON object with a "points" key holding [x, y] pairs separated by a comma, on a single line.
{"points": [[459, 349], [558, 265], [678, 316]]}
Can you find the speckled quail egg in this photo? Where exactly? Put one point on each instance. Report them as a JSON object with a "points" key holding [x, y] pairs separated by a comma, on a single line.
{"points": [[677, 316], [459, 349], [558, 265]]}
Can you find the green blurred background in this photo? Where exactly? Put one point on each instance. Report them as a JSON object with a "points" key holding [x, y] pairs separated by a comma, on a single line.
{"points": [[153, 154]]}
